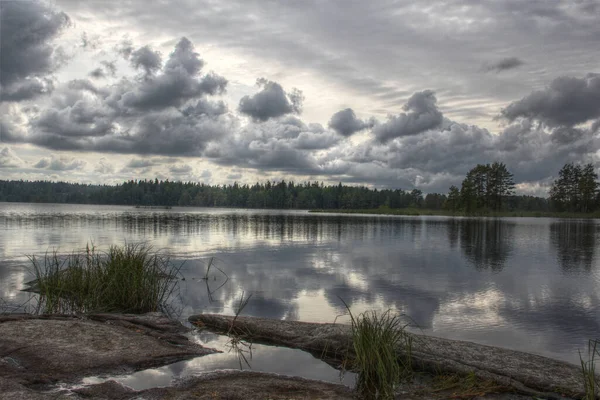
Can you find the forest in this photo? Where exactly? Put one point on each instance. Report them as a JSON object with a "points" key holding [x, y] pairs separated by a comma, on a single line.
{"points": [[488, 187]]}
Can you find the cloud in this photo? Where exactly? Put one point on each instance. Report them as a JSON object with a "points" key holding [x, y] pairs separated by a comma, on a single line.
{"points": [[315, 140], [271, 102], [180, 169], [135, 116], [140, 163], [90, 42], [503, 64], [60, 164], [345, 122], [107, 68], [26, 89], [147, 59], [27, 29], [423, 115], [568, 101], [104, 166], [97, 73], [167, 133], [234, 176], [9, 159], [272, 145], [179, 81], [206, 107], [167, 108]]}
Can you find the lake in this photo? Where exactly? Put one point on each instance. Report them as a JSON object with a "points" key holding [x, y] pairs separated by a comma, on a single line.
{"points": [[521, 283]]}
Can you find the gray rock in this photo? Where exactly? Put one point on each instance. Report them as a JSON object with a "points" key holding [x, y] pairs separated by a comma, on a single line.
{"points": [[230, 385], [43, 350], [10, 390], [525, 373]]}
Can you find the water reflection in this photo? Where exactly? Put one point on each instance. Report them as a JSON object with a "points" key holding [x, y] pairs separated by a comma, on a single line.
{"points": [[486, 243], [575, 244], [495, 281], [264, 359]]}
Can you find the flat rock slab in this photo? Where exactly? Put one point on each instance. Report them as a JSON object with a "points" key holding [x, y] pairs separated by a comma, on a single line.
{"points": [[526, 373], [42, 350], [227, 384], [10, 390]]}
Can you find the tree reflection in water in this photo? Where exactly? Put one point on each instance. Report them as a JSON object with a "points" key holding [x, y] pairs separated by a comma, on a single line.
{"points": [[575, 243], [486, 243]]}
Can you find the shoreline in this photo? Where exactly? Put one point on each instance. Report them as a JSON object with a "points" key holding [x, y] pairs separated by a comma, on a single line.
{"points": [[521, 372], [416, 212], [117, 344], [376, 211]]}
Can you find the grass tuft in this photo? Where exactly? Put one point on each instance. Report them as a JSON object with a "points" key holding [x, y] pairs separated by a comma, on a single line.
{"points": [[376, 339], [239, 341], [588, 369], [126, 279]]}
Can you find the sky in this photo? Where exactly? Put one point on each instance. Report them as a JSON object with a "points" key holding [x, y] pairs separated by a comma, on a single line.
{"points": [[388, 94]]}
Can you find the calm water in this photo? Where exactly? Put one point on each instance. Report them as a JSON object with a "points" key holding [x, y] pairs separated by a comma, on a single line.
{"points": [[526, 284]]}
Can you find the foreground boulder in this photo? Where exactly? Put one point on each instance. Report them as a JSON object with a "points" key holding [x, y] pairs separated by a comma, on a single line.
{"points": [[36, 351], [521, 372]]}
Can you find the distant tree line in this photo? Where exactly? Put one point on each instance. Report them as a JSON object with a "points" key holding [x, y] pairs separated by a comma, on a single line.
{"points": [[282, 195], [488, 187]]}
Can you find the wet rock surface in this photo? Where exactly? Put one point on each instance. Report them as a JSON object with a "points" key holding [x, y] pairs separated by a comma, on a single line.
{"points": [[37, 351], [524, 373], [43, 357], [230, 385]]}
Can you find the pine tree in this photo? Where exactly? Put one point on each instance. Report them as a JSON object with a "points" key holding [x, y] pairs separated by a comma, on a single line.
{"points": [[576, 188], [588, 188], [452, 203]]}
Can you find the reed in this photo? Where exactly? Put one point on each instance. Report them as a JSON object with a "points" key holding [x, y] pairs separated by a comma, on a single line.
{"points": [[382, 355], [128, 279]]}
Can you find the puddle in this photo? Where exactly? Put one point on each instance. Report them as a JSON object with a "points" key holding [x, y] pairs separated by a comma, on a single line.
{"points": [[279, 360]]}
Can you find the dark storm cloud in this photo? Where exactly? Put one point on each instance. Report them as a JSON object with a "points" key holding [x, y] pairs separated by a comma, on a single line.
{"points": [[567, 101], [167, 133], [339, 45], [435, 158], [75, 113], [27, 29], [504, 64], [206, 107], [213, 84], [271, 102], [179, 81], [135, 116], [422, 115], [169, 112], [147, 59], [283, 144], [26, 89], [315, 140], [345, 122]]}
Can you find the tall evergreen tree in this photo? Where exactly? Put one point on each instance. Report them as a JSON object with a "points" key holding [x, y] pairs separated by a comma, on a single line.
{"points": [[452, 202], [588, 188], [575, 189]]}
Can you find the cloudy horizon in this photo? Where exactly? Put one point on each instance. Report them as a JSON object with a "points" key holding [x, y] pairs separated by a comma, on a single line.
{"points": [[391, 94]]}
